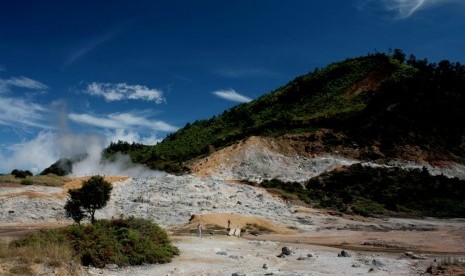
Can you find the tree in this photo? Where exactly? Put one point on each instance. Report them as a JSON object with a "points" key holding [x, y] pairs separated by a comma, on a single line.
{"points": [[399, 55], [93, 195], [73, 206], [20, 174]]}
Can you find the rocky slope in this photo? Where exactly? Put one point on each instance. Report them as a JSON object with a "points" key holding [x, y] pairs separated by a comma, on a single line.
{"points": [[295, 159]]}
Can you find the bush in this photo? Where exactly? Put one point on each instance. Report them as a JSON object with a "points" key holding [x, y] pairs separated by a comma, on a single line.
{"points": [[26, 182], [121, 242], [20, 173]]}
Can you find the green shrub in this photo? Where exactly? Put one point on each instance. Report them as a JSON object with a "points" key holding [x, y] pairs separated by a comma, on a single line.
{"points": [[26, 181], [367, 207], [121, 242]]}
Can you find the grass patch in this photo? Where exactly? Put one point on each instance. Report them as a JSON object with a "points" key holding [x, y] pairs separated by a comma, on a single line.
{"points": [[121, 242], [367, 207], [43, 180], [44, 251], [256, 229], [21, 270]]}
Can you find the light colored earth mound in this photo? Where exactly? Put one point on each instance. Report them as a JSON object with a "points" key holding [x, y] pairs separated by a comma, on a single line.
{"points": [[237, 221], [260, 158]]}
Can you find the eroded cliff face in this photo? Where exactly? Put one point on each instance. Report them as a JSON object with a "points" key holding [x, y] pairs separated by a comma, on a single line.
{"points": [[301, 157]]}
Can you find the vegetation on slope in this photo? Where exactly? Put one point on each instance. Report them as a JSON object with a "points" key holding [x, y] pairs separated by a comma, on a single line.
{"points": [[387, 100], [367, 190]]}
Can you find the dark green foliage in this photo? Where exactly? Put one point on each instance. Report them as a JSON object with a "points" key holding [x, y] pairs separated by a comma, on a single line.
{"points": [[26, 182], [368, 190], [289, 187], [121, 242], [73, 206], [61, 168], [93, 195], [421, 107], [20, 173]]}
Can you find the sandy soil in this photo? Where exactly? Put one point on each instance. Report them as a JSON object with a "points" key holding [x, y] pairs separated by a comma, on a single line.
{"points": [[76, 182]]}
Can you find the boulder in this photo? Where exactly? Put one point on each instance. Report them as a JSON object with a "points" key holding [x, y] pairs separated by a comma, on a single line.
{"points": [[343, 254]]}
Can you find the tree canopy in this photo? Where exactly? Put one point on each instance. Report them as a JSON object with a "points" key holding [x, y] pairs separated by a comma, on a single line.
{"points": [[92, 196]]}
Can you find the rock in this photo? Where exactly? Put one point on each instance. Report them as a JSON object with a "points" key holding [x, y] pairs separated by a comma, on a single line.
{"points": [[310, 255], [238, 274], [287, 250], [413, 256], [301, 258], [356, 265], [112, 266], [372, 269], [265, 266], [343, 254], [377, 263], [221, 253]]}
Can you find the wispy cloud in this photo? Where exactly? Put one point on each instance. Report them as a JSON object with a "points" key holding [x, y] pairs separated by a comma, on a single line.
{"points": [[87, 47], [21, 82], [235, 73], [123, 91], [122, 121], [22, 113], [405, 8], [232, 95]]}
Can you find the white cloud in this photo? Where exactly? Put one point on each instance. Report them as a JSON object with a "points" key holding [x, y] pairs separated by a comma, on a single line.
{"points": [[405, 8], [19, 113], [22, 82], [232, 95], [121, 121], [123, 91], [130, 137]]}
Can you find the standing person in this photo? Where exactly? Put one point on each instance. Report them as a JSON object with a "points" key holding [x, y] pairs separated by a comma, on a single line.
{"points": [[229, 225], [199, 230]]}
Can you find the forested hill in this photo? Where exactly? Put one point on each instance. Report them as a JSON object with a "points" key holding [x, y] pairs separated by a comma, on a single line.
{"points": [[388, 100]]}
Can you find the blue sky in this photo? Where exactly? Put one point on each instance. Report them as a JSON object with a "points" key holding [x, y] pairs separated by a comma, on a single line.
{"points": [[138, 70]]}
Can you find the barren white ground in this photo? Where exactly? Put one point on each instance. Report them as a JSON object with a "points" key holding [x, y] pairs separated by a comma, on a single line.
{"points": [[178, 203]]}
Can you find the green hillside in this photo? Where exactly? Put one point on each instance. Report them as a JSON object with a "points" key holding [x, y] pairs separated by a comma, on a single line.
{"points": [[379, 98], [378, 190]]}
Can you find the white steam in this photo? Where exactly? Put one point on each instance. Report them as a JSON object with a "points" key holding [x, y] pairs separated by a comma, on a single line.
{"points": [[49, 146], [118, 165]]}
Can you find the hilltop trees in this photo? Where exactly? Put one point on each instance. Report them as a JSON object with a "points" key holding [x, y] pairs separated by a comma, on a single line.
{"points": [[20, 174], [92, 196]]}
